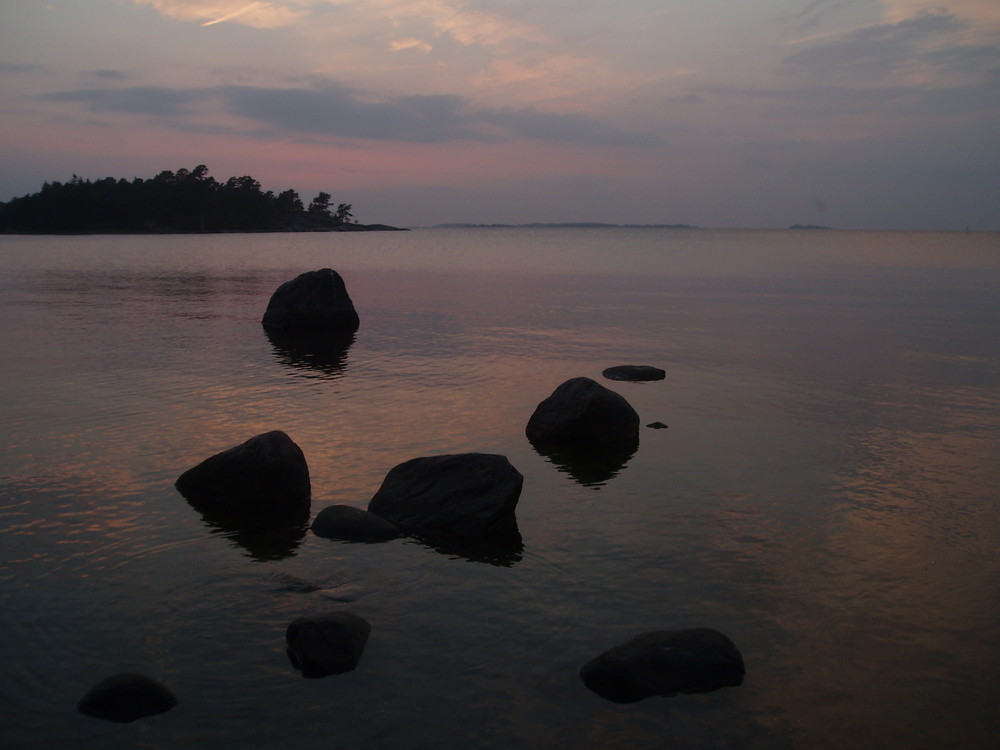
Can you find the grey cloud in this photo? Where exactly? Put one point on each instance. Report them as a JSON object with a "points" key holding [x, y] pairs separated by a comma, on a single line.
{"points": [[19, 68], [887, 101], [873, 51], [146, 100], [109, 75], [339, 111]]}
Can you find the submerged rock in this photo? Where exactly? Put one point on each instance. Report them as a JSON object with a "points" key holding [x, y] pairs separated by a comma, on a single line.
{"points": [[465, 494], [635, 373], [583, 415], [665, 662], [351, 524], [126, 697], [312, 302], [328, 644], [265, 476]]}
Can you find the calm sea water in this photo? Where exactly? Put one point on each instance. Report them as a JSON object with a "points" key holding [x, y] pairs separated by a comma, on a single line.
{"points": [[826, 493]]}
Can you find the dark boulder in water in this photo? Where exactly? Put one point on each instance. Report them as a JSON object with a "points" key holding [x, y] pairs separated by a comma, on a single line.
{"points": [[635, 373], [126, 697], [313, 302], [265, 476], [665, 662], [350, 524], [466, 495], [328, 644], [583, 415]]}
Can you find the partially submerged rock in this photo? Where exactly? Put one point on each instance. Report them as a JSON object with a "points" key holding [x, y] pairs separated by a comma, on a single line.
{"points": [[350, 524], [265, 476], [328, 644], [126, 697], [635, 373], [583, 414], [465, 494], [665, 662], [312, 302]]}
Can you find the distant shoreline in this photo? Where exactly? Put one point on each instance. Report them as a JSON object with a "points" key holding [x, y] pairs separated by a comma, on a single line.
{"points": [[564, 225]]}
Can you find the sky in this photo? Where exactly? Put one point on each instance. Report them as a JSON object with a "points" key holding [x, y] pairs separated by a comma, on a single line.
{"points": [[856, 114]]}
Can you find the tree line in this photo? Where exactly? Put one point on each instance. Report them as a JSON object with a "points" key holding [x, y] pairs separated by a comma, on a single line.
{"points": [[181, 201]]}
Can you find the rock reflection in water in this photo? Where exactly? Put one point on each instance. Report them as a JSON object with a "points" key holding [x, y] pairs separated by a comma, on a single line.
{"points": [[262, 538], [322, 355], [591, 468]]}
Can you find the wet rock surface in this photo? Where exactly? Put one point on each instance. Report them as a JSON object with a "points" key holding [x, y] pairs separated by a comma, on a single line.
{"points": [[349, 524], [312, 302], [582, 415], [464, 494], [634, 373], [327, 644], [126, 697], [665, 662], [265, 476]]}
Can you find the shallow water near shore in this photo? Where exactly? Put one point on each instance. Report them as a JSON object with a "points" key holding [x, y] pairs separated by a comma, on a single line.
{"points": [[825, 494]]}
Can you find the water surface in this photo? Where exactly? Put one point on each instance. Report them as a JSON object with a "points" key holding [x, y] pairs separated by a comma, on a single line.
{"points": [[825, 494]]}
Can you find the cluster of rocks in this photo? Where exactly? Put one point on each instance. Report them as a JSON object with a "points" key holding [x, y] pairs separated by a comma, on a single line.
{"points": [[263, 484]]}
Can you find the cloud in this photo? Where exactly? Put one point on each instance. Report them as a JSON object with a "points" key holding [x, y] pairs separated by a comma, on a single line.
{"points": [[262, 15], [337, 111], [874, 51], [410, 43], [146, 100]]}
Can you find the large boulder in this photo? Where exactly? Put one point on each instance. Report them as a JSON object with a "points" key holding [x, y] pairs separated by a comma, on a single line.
{"points": [[582, 414], [327, 644], [265, 476], [313, 302], [465, 494], [349, 524], [665, 662], [126, 697]]}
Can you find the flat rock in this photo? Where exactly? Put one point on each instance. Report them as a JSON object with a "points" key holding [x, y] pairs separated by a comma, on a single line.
{"points": [[464, 494], [350, 524], [665, 662], [266, 475], [635, 373], [126, 697], [582, 413], [327, 644], [315, 301]]}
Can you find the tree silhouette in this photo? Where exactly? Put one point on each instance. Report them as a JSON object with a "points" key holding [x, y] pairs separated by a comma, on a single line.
{"points": [[181, 201]]}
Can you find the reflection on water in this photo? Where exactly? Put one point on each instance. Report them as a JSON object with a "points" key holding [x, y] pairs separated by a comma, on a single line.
{"points": [[321, 356], [825, 495], [591, 468]]}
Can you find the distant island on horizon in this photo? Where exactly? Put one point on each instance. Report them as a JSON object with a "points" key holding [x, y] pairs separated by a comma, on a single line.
{"points": [[186, 201], [564, 225]]}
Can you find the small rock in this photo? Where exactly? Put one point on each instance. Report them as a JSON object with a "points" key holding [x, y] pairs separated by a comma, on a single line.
{"points": [[657, 425], [126, 697], [327, 644], [351, 524], [665, 662], [635, 373]]}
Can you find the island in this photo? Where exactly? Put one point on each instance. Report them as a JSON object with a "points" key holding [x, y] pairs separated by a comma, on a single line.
{"points": [[185, 201]]}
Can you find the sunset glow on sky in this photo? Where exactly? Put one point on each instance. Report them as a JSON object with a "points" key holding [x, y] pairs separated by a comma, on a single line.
{"points": [[848, 113]]}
